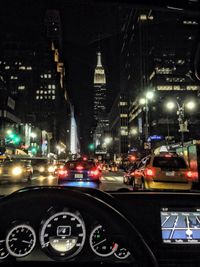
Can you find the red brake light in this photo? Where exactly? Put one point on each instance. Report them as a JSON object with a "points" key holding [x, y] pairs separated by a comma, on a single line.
{"points": [[62, 172], [94, 172], [168, 156], [79, 168], [191, 175], [150, 172]]}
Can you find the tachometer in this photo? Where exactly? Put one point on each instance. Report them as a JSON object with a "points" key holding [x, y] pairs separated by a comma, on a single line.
{"points": [[63, 234], [100, 242], [3, 250], [20, 240]]}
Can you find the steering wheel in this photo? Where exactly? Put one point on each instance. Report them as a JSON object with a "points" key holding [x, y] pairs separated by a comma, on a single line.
{"points": [[118, 226]]}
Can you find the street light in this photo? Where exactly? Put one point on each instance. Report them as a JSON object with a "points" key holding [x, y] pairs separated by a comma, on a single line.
{"points": [[33, 135], [107, 140], [133, 131], [190, 105], [149, 95]]}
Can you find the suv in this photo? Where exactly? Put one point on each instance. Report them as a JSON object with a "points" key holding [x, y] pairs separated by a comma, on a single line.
{"points": [[163, 171]]}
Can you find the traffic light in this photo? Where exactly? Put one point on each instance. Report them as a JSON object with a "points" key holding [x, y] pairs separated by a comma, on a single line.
{"points": [[33, 150], [12, 138], [16, 139], [91, 146]]}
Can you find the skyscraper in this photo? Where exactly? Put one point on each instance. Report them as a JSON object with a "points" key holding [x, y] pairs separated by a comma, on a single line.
{"points": [[99, 90], [100, 94]]}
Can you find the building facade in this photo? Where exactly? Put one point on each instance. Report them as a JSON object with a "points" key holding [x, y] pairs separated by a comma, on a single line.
{"points": [[158, 55]]}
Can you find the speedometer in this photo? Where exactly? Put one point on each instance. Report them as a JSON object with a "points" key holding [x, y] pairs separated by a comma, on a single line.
{"points": [[100, 242], [63, 234]]}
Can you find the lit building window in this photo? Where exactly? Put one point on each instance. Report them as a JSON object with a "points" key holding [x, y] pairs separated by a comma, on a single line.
{"points": [[164, 87], [163, 70], [49, 86], [14, 78], [41, 97], [143, 17], [49, 75], [41, 92], [29, 68], [45, 75], [53, 97], [180, 61], [49, 91], [193, 87], [37, 97], [190, 22], [123, 103], [37, 92], [21, 87], [123, 115], [53, 92], [7, 67], [53, 86], [177, 87], [41, 76], [22, 68]]}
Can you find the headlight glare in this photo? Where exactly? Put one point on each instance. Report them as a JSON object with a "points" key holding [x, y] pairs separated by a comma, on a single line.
{"points": [[17, 171]]}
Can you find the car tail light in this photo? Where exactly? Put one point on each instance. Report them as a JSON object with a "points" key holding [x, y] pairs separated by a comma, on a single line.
{"points": [[94, 172], [79, 168], [191, 175], [62, 172], [150, 173]]}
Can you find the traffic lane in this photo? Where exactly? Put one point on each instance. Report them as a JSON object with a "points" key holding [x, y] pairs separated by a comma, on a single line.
{"points": [[7, 188], [110, 181]]}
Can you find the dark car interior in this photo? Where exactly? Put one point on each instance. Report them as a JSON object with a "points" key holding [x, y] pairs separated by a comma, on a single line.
{"points": [[133, 220]]}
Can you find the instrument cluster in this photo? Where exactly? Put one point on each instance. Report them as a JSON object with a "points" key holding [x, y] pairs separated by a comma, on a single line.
{"points": [[61, 235]]}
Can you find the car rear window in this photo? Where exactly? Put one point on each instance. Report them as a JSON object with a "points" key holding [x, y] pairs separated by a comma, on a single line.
{"points": [[73, 164], [171, 162]]}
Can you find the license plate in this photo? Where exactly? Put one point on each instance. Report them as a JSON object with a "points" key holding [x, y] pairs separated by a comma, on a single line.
{"points": [[78, 175], [169, 173]]}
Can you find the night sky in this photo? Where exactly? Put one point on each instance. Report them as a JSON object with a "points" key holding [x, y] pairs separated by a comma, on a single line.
{"points": [[86, 26]]}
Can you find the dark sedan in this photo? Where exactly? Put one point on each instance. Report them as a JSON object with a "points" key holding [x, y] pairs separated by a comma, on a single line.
{"points": [[79, 170]]}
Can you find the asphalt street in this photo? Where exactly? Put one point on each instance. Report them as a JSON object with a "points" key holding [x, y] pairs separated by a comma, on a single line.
{"points": [[110, 181]]}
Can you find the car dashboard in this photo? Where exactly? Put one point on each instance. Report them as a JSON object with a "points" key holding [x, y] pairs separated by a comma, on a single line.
{"points": [[46, 229]]}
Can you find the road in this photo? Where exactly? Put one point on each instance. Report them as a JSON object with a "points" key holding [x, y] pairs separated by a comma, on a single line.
{"points": [[111, 181]]}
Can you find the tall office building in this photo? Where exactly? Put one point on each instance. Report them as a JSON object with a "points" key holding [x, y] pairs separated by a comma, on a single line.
{"points": [[99, 90], [35, 77], [156, 52], [100, 98]]}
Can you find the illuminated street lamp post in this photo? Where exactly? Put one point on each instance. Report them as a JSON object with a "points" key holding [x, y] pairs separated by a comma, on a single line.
{"points": [[145, 101], [190, 105]]}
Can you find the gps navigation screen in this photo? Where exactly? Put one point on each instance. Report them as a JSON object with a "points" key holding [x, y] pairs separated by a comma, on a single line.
{"points": [[180, 226]]}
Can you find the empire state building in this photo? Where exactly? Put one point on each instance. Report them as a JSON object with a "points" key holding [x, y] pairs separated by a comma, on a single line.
{"points": [[99, 90]]}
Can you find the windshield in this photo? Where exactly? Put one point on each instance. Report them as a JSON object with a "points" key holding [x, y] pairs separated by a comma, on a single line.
{"points": [[107, 82]]}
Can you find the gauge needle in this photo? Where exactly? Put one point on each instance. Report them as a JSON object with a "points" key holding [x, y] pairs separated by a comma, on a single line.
{"points": [[26, 242], [15, 239], [100, 242]]}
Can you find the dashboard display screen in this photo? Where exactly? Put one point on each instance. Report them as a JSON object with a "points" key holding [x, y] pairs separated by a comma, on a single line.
{"points": [[180, 226]]}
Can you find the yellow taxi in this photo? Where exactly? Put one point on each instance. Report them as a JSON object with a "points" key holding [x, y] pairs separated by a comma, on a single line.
{"points": [[164, 171]]}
